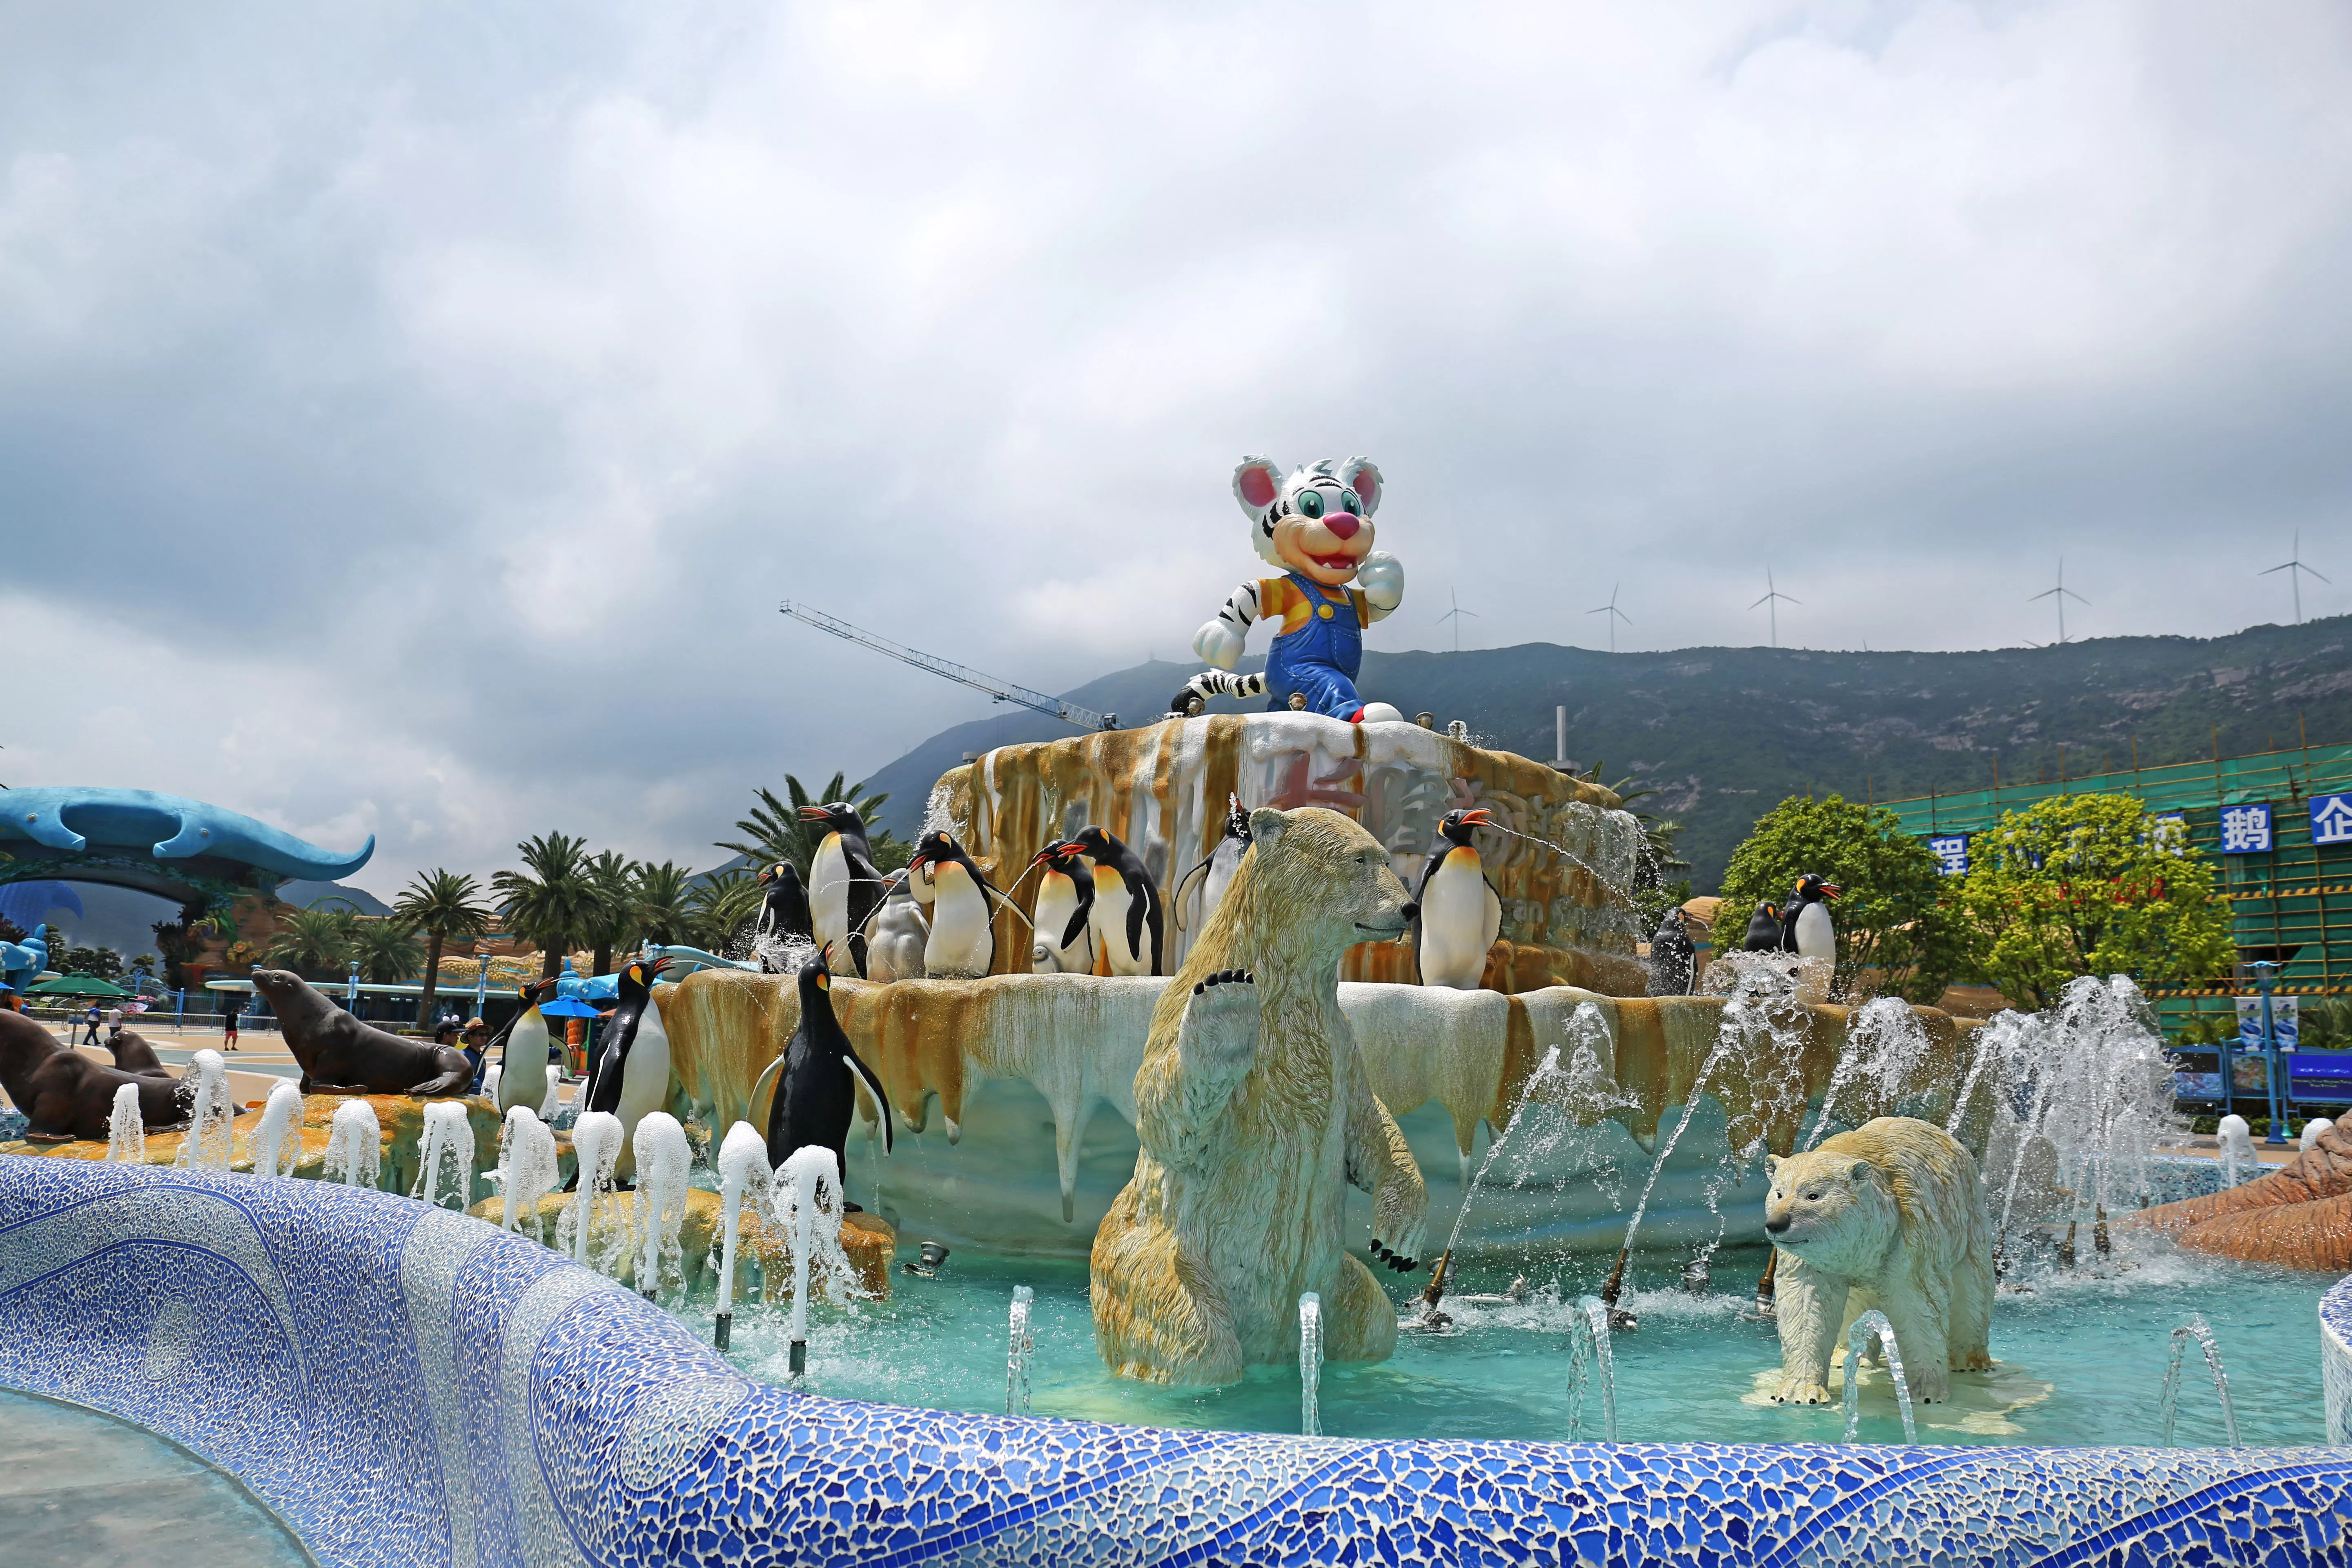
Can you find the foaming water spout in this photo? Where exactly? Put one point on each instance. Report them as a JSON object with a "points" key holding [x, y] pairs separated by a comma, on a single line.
{"points": [[2169, 1401], [1019, 1350], [277, 1142], [529, 1165], [1885, 1044], [1857, 1340], [659, 1215], [447, 1149], [207, 1146], [806, 1202], [2237, 1141], [126, 1130], [1310, 1364], [1590, 1358], [354, 1145], [596, 1148], [742, 1168]]}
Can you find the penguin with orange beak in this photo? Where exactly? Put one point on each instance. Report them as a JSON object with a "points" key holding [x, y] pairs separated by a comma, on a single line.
{"points": [[1066, 900], [817, 1079], [844, 886], [1127, 919], [1460, 914], [1805, 927], [962, 940]]}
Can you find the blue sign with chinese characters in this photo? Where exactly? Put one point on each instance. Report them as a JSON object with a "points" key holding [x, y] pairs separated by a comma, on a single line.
{"points": [[2331, 819], [2246, 829], [1951, 852]]}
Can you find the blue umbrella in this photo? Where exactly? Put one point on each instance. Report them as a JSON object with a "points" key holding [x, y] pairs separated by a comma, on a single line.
{"points": [[565, 1008]]}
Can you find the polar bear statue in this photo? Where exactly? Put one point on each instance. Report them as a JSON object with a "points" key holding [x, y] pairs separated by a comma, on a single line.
{"points": [[1256, 1115], [1890, 1216]]}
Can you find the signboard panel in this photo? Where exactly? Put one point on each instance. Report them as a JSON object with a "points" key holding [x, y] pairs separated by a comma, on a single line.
{"points": [[1951, 852], [2331, 819], [2246, 829], [2282, 1023]]}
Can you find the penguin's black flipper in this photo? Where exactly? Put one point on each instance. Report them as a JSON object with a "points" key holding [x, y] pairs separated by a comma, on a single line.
{"points": [[865, 1075], [1136, 898], [1177, 904], [1078, 918]]}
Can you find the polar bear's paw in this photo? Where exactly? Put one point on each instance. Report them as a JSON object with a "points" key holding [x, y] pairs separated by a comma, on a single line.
{"points": [[1400, 1257], [1797, 1391], [1220, 1029]]}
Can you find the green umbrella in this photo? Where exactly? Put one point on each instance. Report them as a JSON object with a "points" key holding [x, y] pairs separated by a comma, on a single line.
{"points": [[75, 985]]}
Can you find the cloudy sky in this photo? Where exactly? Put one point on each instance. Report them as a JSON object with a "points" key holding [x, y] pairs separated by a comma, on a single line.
{"points": [[410, 415]]}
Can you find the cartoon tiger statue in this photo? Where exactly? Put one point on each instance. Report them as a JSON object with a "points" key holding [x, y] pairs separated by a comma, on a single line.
{"points": [[1315, 527]]}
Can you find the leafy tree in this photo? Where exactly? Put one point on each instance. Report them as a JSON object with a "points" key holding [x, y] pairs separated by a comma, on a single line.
{"points": [[610, 876], [1892, 916], [2092, 884], [552, 900], [387, 949], [774, 830], [720, 908], [660, 901], [313, 943], [446, 906], [97, 962]]}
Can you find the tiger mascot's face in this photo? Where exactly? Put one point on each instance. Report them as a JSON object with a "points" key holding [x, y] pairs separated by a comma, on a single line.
{"points": [[1317, 523]]}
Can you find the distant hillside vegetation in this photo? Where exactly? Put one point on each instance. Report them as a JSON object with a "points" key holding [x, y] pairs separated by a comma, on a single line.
{"points": [[1725, 733]]}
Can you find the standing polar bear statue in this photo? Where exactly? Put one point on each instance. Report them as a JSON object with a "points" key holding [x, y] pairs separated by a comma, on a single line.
{"points": [[1889, 1216], [1256, 1115]]}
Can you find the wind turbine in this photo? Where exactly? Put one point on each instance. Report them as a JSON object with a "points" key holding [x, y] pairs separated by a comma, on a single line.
{"points": [[2294, 569], [2061, 594], [1455, 614], [1614, 615], [1772, 597]]}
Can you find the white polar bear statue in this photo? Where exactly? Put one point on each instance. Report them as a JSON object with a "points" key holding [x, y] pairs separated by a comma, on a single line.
{"points": [[1890, 1216]]}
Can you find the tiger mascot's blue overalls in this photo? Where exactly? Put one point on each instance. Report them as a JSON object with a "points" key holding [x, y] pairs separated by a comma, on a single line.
{"points": [[1320, 647]]}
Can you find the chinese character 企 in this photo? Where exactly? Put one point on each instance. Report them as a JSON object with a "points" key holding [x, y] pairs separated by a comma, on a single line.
{"points": [[2331, 821]]}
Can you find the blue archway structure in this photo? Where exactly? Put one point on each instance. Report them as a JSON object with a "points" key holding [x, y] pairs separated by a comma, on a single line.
{"points": [[197, 854]]}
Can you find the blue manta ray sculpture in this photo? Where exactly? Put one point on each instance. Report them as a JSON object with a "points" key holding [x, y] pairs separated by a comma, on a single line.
{"points": [[171, 827]]}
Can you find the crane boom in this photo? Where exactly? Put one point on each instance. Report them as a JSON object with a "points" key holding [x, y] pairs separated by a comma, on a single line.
{"points": [[1003, 691]]}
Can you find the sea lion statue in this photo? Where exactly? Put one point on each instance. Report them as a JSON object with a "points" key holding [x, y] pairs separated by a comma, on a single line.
{"points": [[339, 1055], [65, 1095]]}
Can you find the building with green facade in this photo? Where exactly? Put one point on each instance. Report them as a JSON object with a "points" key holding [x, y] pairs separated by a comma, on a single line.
{"points": [[2276, 825]]}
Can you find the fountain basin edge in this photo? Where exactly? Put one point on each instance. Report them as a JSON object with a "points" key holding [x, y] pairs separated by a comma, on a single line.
{"points": [[408, 1385]]}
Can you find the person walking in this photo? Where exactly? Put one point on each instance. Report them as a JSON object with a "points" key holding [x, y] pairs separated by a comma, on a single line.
{"points": [[114, 1028], [89, 1022], [228, 1023]]}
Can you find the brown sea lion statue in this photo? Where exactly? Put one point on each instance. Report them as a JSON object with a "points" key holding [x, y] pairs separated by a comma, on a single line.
{"points": [[339, 1055], [133, 1054], [65, 1095]]}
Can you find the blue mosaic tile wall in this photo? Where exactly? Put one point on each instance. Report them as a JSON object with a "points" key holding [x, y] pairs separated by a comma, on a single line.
{"points": [[408, 1387]]}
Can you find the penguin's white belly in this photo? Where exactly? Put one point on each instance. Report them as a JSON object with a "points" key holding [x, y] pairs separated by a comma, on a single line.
{"points": [[1456, 907], [644, 1082], [1816, 937], [527, 1071], [1109, 925], [1057, 901], [829, 892], [1221, 866], [961, 942]]}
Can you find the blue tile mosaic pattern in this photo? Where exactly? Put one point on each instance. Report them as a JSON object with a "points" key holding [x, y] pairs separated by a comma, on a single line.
{"points": [[2336, 1360], [408, 1387]]}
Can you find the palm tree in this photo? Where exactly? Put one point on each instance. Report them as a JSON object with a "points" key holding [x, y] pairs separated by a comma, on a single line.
{"points": [[660, 901], [314, 943], [719, 907], [609, 922], [444, 905], [551, 899], [387, 949], [775, 832]]}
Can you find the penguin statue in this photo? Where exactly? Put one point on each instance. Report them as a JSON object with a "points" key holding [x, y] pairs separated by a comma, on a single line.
{"points": [[1806, 929], [525, 1075], [785, 916], [962, 943], [1673, 957], [1126, 917], [816, 1081], [894, 942], [1458, 913], [1065, 940], [633, 1074], [844, 888], [1216, 868], [1763, 930]]}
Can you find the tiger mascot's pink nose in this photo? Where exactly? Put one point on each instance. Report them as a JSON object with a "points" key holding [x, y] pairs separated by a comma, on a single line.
{"points": [[1343, 523]]}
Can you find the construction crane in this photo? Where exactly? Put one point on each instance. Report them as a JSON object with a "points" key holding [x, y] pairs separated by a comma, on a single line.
{"points": [[1003, 691]]}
